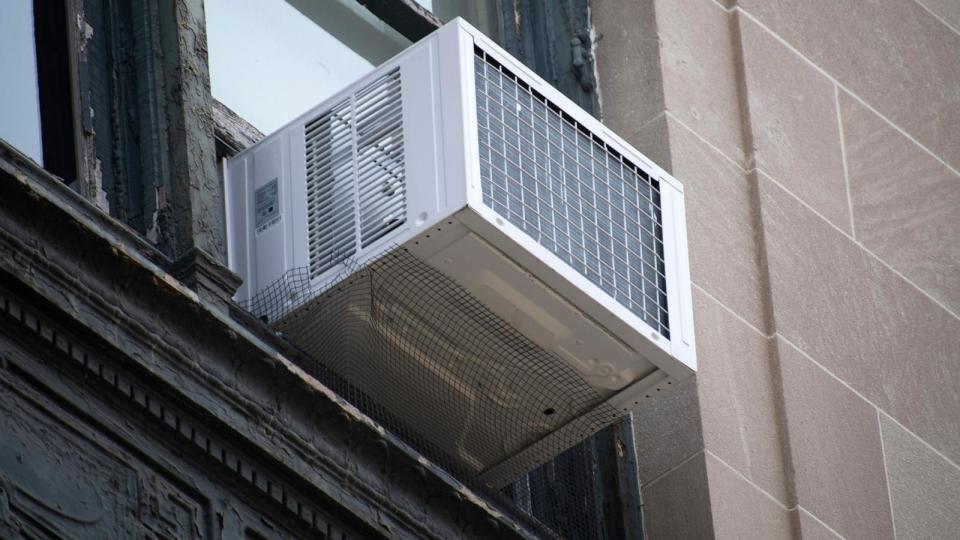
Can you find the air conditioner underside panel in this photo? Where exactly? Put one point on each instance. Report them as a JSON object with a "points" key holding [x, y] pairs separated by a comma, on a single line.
{"points": [[484, 365]]}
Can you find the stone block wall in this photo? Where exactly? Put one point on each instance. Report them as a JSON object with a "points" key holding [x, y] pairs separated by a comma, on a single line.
{"points": [[819, 145]]}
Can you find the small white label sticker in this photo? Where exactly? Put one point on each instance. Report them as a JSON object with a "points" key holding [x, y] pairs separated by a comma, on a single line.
{"points": [[267, 205]]}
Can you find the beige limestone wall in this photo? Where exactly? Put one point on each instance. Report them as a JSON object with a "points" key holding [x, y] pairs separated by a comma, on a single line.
{"points": [[819, 145]]}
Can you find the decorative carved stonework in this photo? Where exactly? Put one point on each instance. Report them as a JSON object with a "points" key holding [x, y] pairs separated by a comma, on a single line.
{"points": [[168, 512], [59, 482]]}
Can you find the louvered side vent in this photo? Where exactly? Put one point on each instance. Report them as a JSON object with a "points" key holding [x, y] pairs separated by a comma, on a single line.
{"points": [[331, 190], [572, 193], [380, 172], [354, 157]]}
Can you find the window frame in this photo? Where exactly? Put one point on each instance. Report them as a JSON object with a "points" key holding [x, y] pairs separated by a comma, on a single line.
{"points": [[54, 51]]}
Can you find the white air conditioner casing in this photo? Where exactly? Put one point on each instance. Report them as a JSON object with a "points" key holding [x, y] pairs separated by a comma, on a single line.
{"points": [[456, 153]]}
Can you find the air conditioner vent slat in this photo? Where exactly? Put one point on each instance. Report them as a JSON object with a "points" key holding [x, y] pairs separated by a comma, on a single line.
{"points": [[355, 173], [330, 188], [382, 181], [329, 161]]}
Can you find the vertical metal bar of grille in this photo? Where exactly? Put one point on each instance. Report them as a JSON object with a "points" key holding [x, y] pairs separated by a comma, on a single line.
{"points": [[568, 190], [356, 182]]}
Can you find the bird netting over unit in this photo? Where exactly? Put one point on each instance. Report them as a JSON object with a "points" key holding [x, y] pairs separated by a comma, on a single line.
{"points": [[399, 339]]}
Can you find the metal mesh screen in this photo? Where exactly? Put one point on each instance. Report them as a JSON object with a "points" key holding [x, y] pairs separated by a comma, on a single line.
{"points": [[569, 191]]}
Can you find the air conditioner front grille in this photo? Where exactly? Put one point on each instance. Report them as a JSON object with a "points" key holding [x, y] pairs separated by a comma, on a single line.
{"points": [[570, 192], [356, 182]]}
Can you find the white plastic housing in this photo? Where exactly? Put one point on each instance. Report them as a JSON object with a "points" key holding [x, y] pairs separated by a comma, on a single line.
{"points": [[448, 224]]}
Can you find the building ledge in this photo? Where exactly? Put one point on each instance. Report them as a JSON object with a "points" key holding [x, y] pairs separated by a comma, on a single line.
{"points": [[98, 280]]}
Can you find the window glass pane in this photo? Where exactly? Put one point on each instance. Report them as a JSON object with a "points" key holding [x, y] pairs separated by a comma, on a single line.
{"points": [[272, 60], [19, 100]]}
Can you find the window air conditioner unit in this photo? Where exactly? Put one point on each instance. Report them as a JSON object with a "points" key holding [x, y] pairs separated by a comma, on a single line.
{"points": [[470, 251]]}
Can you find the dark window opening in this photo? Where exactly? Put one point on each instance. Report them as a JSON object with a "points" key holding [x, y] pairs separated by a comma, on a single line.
{"points": [[56, 88]]}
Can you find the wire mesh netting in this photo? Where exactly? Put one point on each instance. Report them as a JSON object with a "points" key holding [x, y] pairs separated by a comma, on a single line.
{"points": [[578, 493], [489, 397], [418, 353]]}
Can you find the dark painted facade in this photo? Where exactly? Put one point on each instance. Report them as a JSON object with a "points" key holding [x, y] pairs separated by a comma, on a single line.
{"points": [[134, 408], [136, 401]]}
